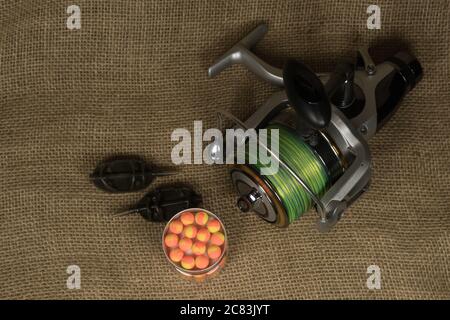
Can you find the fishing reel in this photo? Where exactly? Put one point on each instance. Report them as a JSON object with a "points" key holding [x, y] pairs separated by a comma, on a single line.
{"points": [[324, 121]]}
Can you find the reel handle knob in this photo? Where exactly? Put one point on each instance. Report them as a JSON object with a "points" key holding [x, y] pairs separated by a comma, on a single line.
{"points": [[307, 95]]}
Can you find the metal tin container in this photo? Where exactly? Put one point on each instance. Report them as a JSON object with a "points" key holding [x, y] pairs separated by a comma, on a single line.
{"points": [[181, 256]]}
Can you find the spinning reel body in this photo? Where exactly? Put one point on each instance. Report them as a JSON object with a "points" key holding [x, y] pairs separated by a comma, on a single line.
{"points": [[325, 121]]}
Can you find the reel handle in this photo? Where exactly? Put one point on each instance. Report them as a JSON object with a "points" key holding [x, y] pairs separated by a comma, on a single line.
{"points": [[307, 95], [241, 53]]}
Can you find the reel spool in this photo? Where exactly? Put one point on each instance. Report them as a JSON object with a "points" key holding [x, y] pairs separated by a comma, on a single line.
{"points": [[278, 198], [324, 122]]}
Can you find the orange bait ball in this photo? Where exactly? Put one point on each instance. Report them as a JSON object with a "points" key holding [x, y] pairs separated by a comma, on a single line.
{"points": [[188, 262], [214, 252], [176, 226], [171, 240], [217, 238], [201, 218], [187, 218], [201, 262], [190, 231], [198, 248], [213, 225], [185, 244], [176, 255], [203, 235]]}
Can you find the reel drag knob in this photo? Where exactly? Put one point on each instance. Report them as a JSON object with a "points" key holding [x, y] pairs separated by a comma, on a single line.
{"points": [[246, 202], [255, 195], [325, 225], [306, 94]]}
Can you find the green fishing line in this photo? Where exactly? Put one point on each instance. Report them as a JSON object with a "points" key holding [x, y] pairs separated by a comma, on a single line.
{"points": [[299, 156]]}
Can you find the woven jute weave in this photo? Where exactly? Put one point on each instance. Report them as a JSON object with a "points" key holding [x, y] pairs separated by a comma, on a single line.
{"points": [[134, 72]]}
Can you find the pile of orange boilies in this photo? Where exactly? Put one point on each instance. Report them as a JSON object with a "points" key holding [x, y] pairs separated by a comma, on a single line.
{"points": [[194, 241]]}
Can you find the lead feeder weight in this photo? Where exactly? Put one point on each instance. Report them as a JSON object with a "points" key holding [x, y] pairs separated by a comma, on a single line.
{"points": [[324, 122], [163, 203], [120, 175]]}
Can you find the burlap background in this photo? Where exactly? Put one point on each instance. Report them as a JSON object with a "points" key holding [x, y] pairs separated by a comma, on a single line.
{"points": [[135, 71]]}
